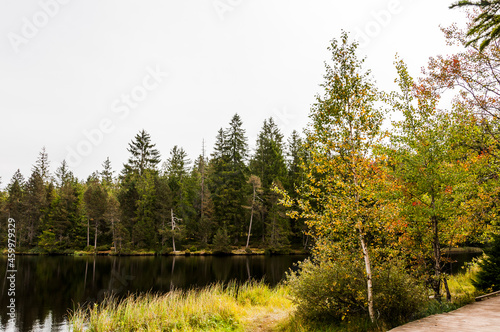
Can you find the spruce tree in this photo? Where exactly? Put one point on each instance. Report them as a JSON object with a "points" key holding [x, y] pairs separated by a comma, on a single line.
{"points": [[107, 172], [296, 157], [269, 164], [182, 189], [137, 191], [37, 198], [144, 155], [229, 177], [64, 224], [15, 206], [96, 199]]}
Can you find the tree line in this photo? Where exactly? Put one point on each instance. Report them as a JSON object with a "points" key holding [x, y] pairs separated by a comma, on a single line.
{"points": [[216, 201]]}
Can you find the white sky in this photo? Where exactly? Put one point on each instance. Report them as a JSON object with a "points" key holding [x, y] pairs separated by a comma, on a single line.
{"points": [[65, 69]]}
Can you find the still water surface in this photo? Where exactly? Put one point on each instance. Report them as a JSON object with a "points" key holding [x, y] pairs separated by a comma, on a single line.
{"points": [[47, 286]]}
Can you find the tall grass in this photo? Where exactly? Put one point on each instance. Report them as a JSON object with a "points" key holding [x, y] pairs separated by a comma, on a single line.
{"points": [[461, 289], [460, 284], [215, 308]]}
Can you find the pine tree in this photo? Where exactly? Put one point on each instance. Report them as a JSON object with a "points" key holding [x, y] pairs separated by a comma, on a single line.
{"points": [[163, 207], [144, 230], [112, 215], [107, 173], [269, 161], [183, 189], [177, 171], [228, 178], [63, 174], [144, 155], [218, 169], [42, 166], [204, 203], [15, 206], [137, 192], [296, 157], [96, 199], [64, 223], [269, 164], [37, 200]]}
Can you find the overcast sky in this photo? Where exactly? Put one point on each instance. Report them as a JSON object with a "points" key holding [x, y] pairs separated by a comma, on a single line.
{"points": [[83, 77]]}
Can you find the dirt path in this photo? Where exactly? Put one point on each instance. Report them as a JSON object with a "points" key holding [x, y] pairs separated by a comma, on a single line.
{"points": [[266, 321], [481, 316]]}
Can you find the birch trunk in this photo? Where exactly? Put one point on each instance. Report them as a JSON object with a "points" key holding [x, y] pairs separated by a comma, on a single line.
{"points": [[368, 269]]}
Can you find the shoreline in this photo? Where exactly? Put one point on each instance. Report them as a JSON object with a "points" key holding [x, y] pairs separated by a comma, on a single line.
{"points": [[185, 253]]}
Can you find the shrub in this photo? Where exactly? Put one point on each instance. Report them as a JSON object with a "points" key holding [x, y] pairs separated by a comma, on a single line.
{"points": [[398, 296], [89, 249], [221, 242], [104, 247], [68, 252], [488, 277], [332, 290]]}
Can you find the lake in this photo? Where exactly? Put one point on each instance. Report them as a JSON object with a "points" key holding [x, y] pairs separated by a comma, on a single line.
{"points": [[46, 286]]}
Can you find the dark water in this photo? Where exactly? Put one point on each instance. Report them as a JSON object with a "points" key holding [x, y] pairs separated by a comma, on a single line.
{"points": [[47, 286], [456, 262]]}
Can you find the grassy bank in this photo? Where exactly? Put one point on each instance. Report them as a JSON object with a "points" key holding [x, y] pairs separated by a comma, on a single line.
{"points": [[216, 308], [253, 306]]}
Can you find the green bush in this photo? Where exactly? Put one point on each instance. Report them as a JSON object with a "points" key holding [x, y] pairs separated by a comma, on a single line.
{"points": [[248, 250], [488, 277], [104, 247], [398, 296], [330, 290], [221, 242], [89, 249]]}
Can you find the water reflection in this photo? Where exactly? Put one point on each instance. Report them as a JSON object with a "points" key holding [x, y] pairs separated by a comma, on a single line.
{"points": [[46, 287]]}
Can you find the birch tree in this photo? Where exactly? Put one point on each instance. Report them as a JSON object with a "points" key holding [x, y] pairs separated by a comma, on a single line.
{"points": [[337, 199]]}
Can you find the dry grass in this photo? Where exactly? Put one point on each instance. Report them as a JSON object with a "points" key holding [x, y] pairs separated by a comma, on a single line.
{"points": [[216, 308]]}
